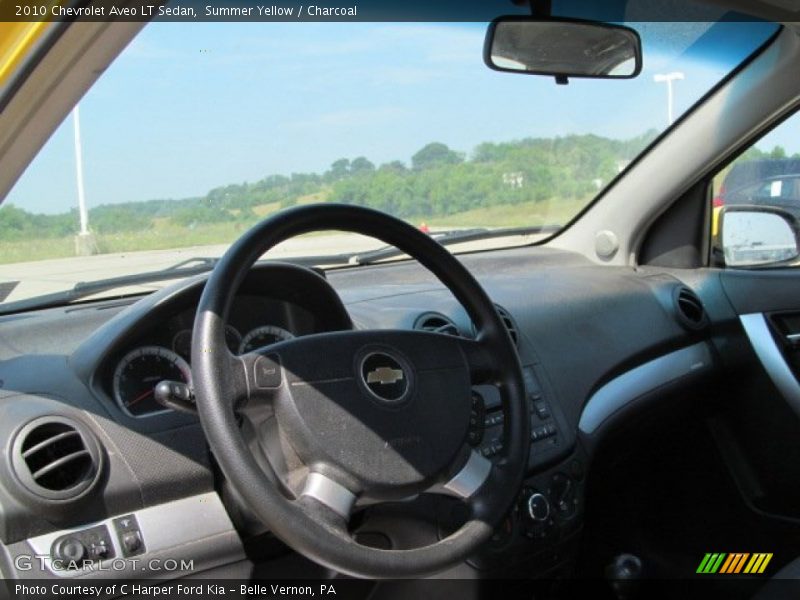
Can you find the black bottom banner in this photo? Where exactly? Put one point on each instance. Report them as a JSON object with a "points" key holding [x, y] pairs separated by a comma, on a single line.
{"points": [[353, 589]]}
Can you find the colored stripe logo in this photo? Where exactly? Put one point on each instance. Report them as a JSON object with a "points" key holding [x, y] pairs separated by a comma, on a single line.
{"points": [[733, 563]]}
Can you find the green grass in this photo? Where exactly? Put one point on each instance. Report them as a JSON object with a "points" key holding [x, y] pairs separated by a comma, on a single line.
{"points": [[31, 250], [166, 235], [511, 215], [321, 196], [262, 210]]}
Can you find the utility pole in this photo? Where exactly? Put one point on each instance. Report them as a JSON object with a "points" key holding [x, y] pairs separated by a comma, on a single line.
{"points": [[668, 78]]}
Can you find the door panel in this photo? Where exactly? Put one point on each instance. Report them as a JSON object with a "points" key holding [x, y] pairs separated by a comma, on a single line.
{"points": [[759, 430]]}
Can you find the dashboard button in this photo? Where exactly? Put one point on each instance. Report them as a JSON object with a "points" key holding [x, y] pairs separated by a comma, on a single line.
{"points": [[541, 410], [99, 551], [268, 371], [131, 542], [129, 535]]}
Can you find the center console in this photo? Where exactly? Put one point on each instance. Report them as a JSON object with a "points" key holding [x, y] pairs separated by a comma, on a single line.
{"points": [[544, 524]]}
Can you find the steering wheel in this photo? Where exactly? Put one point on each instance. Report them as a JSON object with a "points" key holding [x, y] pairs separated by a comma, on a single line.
{"points": [[360, 416]]}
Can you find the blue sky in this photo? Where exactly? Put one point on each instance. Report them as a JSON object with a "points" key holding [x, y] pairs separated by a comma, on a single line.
{"points": [[189, 107]]}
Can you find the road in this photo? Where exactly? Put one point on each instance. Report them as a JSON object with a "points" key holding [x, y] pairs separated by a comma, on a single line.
{"points": [[47, 276]]}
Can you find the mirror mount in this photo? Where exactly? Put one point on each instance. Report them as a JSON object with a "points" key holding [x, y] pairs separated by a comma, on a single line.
{"points": [[541, 8]]}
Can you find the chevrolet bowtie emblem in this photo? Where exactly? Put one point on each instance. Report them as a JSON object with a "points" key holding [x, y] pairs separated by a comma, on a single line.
{"points": [[385, 375]]}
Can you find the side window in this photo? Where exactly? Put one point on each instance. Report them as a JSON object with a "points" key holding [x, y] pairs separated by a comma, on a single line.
{"points": [[756, 203]]}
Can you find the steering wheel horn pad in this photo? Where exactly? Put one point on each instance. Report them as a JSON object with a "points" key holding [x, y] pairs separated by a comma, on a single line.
{"points": [[332, 416]]}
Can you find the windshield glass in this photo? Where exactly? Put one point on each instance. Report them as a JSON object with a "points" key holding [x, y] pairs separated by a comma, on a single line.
{"points": [[198, 130]]}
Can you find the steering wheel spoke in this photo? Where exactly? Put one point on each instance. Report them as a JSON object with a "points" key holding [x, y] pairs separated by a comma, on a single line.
{"points": [[468, 479], [323, 489], [481, 365]]}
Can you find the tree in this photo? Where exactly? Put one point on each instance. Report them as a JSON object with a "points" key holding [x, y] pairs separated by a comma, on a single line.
{"points": [[395, 166], [435, 154], [361, 165], [339, 169], [778, 152], [14, 220]]}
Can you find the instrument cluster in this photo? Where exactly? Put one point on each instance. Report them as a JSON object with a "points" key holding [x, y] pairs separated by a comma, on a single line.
{"points": [[164, 352]]}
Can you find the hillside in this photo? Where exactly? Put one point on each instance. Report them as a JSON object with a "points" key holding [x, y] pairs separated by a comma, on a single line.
{"points": [[521, 182]]}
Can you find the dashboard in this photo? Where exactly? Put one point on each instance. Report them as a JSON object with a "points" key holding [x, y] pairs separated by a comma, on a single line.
{"points": [[594, 344]]}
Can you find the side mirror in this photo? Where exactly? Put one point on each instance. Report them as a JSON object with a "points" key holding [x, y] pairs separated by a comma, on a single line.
{"points": [[752, 236], [562, 48]]}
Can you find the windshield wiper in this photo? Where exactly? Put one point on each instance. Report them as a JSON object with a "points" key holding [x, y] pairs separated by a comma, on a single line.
{"points": [[83, 289], [451, 237], [200, 265]]}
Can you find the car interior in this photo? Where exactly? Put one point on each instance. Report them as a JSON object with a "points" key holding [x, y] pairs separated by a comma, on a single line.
{"points": [[605, 407]]}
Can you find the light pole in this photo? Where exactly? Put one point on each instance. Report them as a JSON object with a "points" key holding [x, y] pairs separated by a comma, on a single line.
{"points": [[668, 78], [84, 241], [83, 214]]}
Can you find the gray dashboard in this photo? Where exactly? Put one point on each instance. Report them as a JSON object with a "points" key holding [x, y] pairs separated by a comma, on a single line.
{"points": [[581, 330]]}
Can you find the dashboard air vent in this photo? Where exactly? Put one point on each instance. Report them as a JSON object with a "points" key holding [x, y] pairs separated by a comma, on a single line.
{"points": [[56, 458], [689, 308], [436, 323], [505, 316]]}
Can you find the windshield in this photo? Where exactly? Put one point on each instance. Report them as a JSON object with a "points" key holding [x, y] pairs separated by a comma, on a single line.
{"points": [[199, 130]]}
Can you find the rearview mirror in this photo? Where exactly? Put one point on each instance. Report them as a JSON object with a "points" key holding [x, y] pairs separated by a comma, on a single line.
{"points": [[758, 235], [562, 48]]}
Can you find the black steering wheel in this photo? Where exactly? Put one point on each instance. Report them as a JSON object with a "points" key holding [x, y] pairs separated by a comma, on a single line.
{"points": [[359, 416]]}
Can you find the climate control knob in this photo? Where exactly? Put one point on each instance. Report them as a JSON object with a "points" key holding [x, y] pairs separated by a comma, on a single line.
{"points": [[538, 507]]}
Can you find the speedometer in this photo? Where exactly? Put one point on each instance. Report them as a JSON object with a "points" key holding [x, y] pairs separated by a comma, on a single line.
{"points": [[138, 373], [263, 336]]}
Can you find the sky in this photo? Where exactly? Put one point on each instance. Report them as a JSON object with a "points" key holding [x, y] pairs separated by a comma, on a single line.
{"points": [[189, 107]]}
